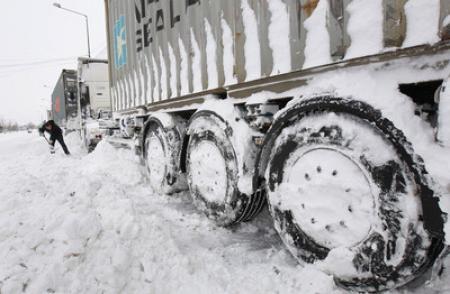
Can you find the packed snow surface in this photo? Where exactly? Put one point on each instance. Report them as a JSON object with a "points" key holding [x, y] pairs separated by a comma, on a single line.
{"points": [[196, 64], [365, 28], [317, 48], [164, 94], [228, 53], [424, 29], [210, 178], [278, 39], [252, 44], [156, 165], [149, 72], [184, 72], [211, 56], [157, 77], [89, 223], [173, 72]]}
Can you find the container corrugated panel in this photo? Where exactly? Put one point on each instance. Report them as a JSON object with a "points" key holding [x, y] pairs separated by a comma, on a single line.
{"points": [[164, 49], [64, 97], [58, 102]]}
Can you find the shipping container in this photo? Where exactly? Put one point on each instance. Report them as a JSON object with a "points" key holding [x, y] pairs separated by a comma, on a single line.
{"points": [[64, 100], [333, 114]]}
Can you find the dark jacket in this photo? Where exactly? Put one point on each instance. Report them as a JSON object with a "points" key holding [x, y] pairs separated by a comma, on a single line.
{"points": [[55, 132]]}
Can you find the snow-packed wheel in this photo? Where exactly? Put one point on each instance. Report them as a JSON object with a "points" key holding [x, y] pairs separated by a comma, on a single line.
{"points": [[88, 145], [213, 170], [346, 189], [85, 140], [161, 150]]}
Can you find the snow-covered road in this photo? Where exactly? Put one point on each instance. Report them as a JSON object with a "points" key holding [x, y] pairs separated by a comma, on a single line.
{"points": [[90, 224]]}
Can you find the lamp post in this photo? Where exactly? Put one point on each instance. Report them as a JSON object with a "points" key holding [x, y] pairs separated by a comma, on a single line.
{"points": [[57, 5]]}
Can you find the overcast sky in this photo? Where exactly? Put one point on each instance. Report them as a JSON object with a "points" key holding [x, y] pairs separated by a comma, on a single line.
{"points": [[34, 31]]}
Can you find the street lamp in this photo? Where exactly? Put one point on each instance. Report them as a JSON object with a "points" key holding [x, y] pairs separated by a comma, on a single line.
{"points": [[57, 5]]}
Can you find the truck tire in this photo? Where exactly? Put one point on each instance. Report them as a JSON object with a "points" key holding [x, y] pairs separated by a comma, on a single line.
{"points": [[161, 151], [345, 188], [212, 172], [87, 144], [84, 138]]}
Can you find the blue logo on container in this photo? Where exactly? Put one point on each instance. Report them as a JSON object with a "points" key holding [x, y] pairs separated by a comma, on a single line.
{"points": [[120, 42]]}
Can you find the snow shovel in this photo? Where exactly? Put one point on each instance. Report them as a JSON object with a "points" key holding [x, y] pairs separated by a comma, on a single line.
{"points": [[52, 148]]}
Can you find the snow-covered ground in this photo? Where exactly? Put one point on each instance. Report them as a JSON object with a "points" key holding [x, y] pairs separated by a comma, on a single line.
{"points": [[91, 224]]}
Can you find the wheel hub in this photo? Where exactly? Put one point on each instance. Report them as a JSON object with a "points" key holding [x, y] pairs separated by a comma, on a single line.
{"points": [[333, 198], [208, 171]]}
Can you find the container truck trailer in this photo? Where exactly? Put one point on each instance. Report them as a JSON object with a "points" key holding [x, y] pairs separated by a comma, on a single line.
{"points": [[81, 99], [334, 113], [65, 100]]}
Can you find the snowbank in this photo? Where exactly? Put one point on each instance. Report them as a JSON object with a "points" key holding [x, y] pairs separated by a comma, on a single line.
{"points": [[90, 224]]}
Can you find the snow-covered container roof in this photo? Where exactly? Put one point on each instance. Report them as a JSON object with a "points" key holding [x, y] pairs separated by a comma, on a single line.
{"points": [[92, 70]]}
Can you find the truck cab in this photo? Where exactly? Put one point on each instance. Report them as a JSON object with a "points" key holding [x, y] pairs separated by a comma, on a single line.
{"points": [[95, 105]]}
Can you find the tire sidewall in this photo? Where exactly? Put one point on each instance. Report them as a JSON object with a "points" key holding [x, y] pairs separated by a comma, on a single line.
{"points": [[218, 133], [170, 137], [304, 247], [157, 132]]}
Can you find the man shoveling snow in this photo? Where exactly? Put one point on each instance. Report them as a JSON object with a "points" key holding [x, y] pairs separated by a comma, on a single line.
{"points": [[55, 134]]}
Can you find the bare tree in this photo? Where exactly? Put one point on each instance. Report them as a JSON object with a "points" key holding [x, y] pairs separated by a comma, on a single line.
{"points": [[8, 126]]}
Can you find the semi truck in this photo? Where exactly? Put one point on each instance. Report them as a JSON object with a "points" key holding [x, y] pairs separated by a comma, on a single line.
{"points": [[94, 97], [81, 100], [333, 114], [64, 100]]}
